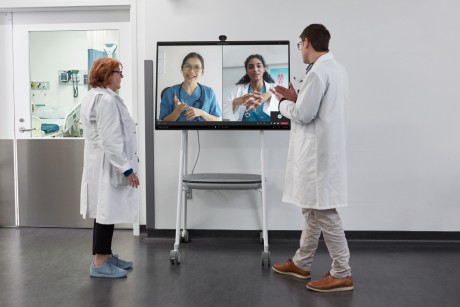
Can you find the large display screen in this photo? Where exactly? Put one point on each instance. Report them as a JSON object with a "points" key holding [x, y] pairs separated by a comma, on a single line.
{"points": [[217, 85]]}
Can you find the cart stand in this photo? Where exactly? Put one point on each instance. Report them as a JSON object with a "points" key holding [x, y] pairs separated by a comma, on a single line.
{"points": [[215, 181]]}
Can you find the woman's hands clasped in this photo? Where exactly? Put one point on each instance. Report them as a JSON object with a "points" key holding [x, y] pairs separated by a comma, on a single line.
{"points": [[190, 112], [252, 101]]}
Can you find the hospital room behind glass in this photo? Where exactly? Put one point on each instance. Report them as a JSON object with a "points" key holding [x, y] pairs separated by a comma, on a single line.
{"points": [[59, 66], [52, 122]]}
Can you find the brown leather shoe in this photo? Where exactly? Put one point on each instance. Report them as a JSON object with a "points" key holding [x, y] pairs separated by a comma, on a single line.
{"points": [[331, 284], [289, 268]]}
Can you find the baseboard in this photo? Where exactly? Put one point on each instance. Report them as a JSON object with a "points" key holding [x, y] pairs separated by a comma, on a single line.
{"points": [[404, 235], [294, 234]]}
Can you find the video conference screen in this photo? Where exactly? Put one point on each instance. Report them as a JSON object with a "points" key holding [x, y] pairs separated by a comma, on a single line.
{"points": [[220, 85]]}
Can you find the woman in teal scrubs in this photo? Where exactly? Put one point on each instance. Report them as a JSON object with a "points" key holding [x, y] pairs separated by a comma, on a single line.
{"points": [[190, 100]]}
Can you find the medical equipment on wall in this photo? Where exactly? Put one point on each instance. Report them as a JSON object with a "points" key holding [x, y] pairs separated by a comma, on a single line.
{"points": [[110, 49], [39, 91], [39, 85], [74, 77]]}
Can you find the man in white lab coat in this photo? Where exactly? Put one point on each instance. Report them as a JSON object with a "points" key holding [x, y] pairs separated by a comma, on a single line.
{"points": [[316, 170]]}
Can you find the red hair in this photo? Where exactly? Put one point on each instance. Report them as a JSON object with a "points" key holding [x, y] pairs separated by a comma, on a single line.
{"points": [[101, 70]]}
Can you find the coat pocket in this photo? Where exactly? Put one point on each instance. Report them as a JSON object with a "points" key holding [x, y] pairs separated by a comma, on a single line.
{"points": [[117, 179]]}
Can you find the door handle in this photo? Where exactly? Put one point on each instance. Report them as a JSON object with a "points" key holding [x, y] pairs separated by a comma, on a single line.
{"points": [[22, 129]]}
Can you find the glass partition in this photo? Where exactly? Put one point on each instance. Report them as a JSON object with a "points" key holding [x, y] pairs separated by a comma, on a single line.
{"points": [[59, 66]]}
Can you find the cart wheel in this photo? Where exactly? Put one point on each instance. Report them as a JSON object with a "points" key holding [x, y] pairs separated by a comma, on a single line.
{"points": [[174, 257], [266, 258], [185, 237], [261, 237]]}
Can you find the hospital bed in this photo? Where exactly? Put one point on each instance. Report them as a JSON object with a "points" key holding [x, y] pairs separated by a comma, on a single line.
{"points": [[53, 123]]}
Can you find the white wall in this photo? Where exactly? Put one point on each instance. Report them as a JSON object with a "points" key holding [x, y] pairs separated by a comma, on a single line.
{"points": [[402, 58], [6, 82]]}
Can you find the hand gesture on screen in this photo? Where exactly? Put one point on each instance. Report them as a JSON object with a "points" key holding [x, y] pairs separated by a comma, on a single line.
{"points": [[242, 100], [257, 99], [250, 100], [254, 101], [180, 106], [193, 112]]}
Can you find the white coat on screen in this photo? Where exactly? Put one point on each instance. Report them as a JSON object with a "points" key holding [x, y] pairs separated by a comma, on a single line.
{"points": [[316, 170], [110, 150], [240, 90]]}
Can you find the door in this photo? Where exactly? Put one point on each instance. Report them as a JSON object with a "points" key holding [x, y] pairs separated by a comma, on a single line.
{"points": [[52, 52], [7, 192]]}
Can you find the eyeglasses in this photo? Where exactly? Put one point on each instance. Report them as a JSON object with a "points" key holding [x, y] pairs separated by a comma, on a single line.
{"points": [[299, 45], [189, 67], [118, 72]]}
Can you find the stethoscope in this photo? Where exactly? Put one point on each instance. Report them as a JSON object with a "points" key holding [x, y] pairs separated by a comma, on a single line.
{"points": [[306, 73], [197, 103]]}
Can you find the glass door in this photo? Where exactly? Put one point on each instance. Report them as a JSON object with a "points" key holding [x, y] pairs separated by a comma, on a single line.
{"points": [[7, 191]]}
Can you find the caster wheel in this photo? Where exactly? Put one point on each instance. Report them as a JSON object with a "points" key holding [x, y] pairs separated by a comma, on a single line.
{"points": [[266, 259], [185, 238], [174, 257]]}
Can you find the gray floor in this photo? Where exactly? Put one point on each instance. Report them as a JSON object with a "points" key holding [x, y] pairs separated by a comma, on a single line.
{"points": [[49, 267]]}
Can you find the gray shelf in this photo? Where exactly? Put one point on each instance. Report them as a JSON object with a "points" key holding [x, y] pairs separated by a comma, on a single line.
{"points": [[222, 181]]}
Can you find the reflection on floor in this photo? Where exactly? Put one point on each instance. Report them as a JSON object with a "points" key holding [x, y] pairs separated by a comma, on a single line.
{"points": [[49, 267]]}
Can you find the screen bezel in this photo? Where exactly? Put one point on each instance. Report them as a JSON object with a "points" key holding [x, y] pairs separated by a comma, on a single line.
{"points": [[214, 125]]}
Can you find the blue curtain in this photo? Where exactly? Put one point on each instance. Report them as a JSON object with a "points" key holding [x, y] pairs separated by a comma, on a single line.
{"points": [[94, 54]]}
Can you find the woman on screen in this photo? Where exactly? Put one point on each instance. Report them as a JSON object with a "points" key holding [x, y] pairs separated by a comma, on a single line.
{"points": [[251, 99], [190, 100]]}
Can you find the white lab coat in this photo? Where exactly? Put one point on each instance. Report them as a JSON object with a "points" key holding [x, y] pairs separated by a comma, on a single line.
{"points": [[242, 89], [316, 170], [110, 150]]}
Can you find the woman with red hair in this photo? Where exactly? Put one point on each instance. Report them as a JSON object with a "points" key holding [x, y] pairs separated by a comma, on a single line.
{"points": [[109, 181]]}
